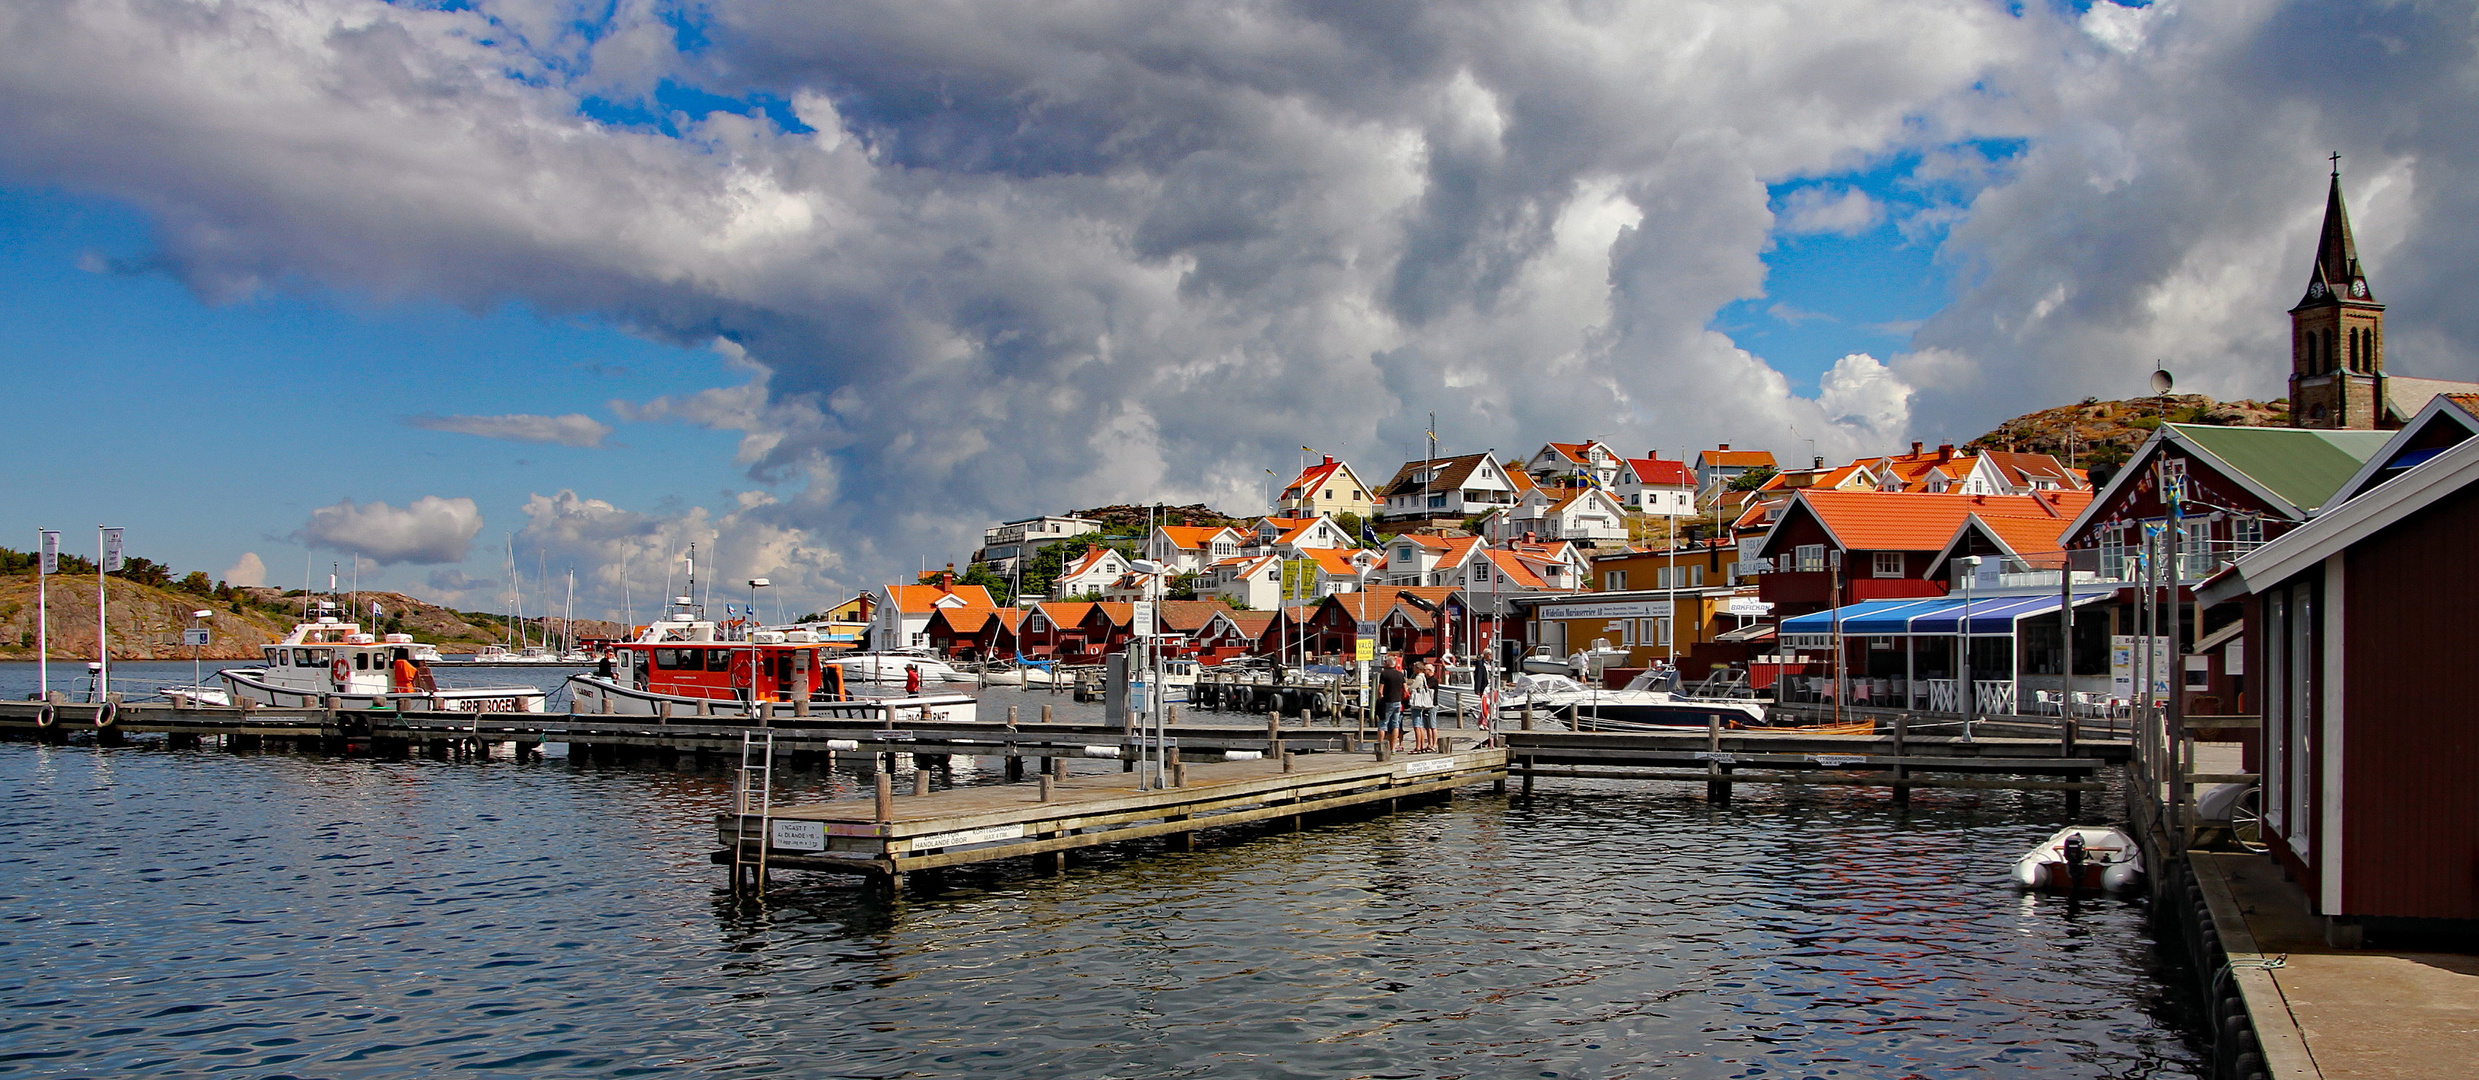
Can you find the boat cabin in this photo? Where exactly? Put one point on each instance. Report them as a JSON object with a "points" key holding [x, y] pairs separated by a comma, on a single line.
{"points": [[332, 655], [687, 659]]}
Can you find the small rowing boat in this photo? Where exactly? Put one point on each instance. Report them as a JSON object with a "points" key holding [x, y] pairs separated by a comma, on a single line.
{"points": [[2079, 858]]}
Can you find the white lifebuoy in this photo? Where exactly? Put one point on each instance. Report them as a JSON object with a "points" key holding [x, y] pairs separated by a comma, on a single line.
{"points": [[108, 713], [343, 671]]}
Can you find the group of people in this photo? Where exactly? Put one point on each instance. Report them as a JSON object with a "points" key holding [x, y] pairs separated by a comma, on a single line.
{"points": [[1407, 702]]}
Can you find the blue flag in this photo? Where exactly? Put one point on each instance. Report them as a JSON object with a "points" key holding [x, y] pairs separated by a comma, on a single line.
{"points": [[1368, 535]]}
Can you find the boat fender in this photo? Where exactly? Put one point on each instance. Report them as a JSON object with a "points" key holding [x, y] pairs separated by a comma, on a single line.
{"points": [[107, 714], [343, 671], [48, 716], [843, 744], [1243, 755], [1102, 751], [2120, 877]]}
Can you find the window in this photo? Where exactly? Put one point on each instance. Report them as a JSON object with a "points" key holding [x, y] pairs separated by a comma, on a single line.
{"points": [[2246, 533], [1613, 580], [1329, 493], [1811, 557], [1887, 564]]}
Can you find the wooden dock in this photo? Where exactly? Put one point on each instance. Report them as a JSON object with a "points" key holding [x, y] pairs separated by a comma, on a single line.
{"points": [[1896, 759], [890, 836]]}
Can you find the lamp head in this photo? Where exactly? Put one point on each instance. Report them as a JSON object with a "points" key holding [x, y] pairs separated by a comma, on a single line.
{"points": [[759, 583]]}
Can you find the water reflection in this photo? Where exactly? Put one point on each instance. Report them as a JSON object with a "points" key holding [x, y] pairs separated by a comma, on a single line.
{"points": [[186, 913]]}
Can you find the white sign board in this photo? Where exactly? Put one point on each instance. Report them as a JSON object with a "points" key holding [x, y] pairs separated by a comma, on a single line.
{"points": [[968, 836], [799, 835], [1639, 610], [2125, 660], [196, 635], [1140, 622], [1747, 606]]}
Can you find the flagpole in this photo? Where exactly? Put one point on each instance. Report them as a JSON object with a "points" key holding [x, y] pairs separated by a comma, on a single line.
{"points": [[106, 560], [46, 563]]}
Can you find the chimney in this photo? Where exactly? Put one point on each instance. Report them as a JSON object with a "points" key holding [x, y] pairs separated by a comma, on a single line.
{"points": [[1945, 451], [1916, 448], [1725, 448], [1329, 459], [1820, 461]]}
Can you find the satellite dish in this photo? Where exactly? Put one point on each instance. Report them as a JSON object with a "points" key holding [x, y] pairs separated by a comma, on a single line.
{"points": [[2162, 381]]}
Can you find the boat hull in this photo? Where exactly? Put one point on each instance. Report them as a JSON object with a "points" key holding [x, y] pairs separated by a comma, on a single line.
{"points": [[249, 684], [596, 695], [2111, 862]]}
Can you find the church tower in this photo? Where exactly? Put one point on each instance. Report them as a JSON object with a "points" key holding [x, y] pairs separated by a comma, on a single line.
{"points": [[2337, 334]]}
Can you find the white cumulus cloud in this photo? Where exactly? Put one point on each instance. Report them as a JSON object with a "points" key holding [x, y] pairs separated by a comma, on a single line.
{"points": [[430, 530], [246, 571]]}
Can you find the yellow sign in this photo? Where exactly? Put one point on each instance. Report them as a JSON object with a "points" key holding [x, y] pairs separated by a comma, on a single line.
{"points": [[1364, 649]]}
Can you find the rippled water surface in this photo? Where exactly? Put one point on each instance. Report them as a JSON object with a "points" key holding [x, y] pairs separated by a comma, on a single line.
{"points": [[193, 913]]}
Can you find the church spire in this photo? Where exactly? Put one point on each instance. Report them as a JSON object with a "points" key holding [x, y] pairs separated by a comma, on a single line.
{"points": [[2336, 254]]}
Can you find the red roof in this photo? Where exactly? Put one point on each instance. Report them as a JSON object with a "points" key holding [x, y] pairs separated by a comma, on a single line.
{"points": [[1661, 473], [1920, 521]]}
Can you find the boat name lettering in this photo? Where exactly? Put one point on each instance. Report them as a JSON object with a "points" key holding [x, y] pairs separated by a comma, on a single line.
{"points": [[482, 705], [968, 836], [799, 835]]}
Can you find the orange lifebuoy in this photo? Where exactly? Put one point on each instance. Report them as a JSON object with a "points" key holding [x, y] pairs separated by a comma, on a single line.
{"points": [[344, 671]]}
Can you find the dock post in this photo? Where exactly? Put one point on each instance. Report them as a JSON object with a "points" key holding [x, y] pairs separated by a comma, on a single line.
{"points": [[1285, 755], [2066, 748], [1011, 718], [1384, 751], [1527, 726], [1174, 717], [1716, 789], [1046, 792], [886, 796], [1273, 735], [1902, 739], [920, 780], [1179, 774], [1058, 769], [800, 706], [1015, 765], [1045, 712]]}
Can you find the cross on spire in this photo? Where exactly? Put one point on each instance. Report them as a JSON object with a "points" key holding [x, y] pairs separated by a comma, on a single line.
{"points": [[2336, 163]]}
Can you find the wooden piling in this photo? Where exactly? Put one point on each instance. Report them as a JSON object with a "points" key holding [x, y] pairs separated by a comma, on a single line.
{"points": [[1716, 790], [1902, 736], [1045, 712], [920, 781], [2066, 740], [886, 796], [1046, 792]]}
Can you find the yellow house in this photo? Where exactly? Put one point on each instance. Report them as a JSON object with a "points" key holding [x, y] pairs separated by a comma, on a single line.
{"points": [[1326, 489]]}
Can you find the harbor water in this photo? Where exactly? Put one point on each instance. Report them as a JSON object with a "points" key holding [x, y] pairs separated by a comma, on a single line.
{"points": [[194, 912]]}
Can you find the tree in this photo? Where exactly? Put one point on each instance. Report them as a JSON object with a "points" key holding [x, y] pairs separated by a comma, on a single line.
{"points": [[1752, 478], [197, 582], [982, 575], [1183, 586], [1050, 560]]}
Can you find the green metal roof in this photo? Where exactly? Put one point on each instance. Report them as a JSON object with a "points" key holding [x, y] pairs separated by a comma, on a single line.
{"points": [[2301, 465]]}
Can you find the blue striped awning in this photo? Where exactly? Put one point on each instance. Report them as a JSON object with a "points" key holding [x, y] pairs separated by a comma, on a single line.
{"points": [[1990, 616]]}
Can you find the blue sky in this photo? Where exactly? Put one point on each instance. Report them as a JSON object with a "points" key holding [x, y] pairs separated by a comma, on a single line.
{"points": [[866, 277]]}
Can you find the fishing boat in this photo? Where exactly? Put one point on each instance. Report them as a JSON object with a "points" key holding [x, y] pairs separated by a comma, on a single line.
{"points": [[685, 666], [2079, 858], [330, 657]]}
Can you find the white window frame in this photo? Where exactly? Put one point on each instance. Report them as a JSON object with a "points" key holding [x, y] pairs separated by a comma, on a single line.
{"points": [[1886, 564]]}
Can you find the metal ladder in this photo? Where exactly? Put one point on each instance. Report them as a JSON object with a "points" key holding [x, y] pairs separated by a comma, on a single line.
{"points": [[753, 796]]}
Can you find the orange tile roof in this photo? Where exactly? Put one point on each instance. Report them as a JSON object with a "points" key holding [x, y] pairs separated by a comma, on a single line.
{"points": [[1335, 560], [921, 599], [1572, 451], [1065, 613], [1732, 458], [1251, 624], [1921, 521], [964, 620], [1186, 616], [1516, 568], [2029, 537], [1190, 536]]}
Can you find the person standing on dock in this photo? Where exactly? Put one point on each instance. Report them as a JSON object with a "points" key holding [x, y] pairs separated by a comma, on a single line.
{"points": [[1390, 697], [912, 680], [1422, 700]]}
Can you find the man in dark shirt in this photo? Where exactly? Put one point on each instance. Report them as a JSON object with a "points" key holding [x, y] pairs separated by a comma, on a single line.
{"points": [[1390, 696]]}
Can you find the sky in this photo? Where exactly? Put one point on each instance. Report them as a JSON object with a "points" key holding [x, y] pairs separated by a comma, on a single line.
{"points": [[421, 290]]}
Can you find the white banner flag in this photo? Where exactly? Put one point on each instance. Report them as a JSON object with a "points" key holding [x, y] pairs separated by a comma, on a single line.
{"points": [[111, 550], [51, 552]]}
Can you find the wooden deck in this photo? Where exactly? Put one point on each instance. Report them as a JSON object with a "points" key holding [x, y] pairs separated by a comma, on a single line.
{"points": [[890, 836]]}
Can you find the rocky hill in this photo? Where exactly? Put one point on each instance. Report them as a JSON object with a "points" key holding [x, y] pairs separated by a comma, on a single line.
{"points": [[2103, 433], [147, 620], [1130, 520]]}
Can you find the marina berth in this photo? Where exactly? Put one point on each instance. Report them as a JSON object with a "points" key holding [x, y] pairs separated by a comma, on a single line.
{"points": [[328, 658]]}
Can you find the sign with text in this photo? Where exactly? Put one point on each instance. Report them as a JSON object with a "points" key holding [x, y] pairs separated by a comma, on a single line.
{"points": [[196, 635], [1637, 610], [1364, 649], [799, 835], [1140, 619]]}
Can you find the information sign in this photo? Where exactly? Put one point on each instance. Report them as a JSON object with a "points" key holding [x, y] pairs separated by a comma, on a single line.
{"points": [[196, 635]]}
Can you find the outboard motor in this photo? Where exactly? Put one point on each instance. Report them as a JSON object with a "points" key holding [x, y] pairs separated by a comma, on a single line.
{"points": [[2074, 862]]}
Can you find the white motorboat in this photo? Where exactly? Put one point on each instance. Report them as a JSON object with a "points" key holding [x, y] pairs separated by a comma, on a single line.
{"points": [[503, 656], [2082, 857], [1637, 708], [328, 657], [195, 696], [682, 668], [890, 666]]}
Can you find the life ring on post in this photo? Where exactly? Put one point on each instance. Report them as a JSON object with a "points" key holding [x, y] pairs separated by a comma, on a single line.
{"points": [[343, 672], [107, 713], [48, 716]]}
